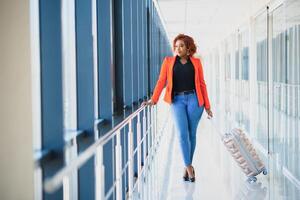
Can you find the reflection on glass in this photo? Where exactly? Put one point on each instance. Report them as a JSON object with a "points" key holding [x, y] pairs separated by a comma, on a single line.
{"points": [[244, 81], [189, 191], [227, 93], [261, 132], [252, 191], [217, 66], [286, 81]]}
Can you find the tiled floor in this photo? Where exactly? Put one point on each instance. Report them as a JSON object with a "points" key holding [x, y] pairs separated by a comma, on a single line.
{"points": [[218, 177], [213, 182]]}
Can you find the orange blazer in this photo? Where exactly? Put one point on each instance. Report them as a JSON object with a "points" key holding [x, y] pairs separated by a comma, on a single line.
{"points": [[166, 75]]}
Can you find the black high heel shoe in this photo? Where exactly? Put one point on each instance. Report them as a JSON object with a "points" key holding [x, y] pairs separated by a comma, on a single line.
{"points": [[185, 175], [192, 179], [193, 171]]}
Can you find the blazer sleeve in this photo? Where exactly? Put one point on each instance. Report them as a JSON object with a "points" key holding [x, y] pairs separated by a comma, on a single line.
{"points": [[203, 87], [161, 82]]}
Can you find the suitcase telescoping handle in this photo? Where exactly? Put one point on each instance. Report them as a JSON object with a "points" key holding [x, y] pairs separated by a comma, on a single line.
{"points": [[214, 125]]}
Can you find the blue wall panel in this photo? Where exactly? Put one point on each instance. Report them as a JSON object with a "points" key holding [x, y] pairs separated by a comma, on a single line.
{"points": [[85, 93], [118, 37], [127, 59], [51, 85], [134, 51], [105, 72]]}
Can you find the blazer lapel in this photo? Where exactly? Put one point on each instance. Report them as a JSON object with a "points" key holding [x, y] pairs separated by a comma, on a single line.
{"points": [[172, 62], [195, 64]]}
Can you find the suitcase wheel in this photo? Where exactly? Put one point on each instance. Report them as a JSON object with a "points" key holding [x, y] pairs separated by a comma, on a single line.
{"points": [[252, 179], [265, 172]]}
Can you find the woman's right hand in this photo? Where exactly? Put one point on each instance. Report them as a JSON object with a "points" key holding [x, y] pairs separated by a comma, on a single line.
{"points": [[148, 103], [209, 113]]}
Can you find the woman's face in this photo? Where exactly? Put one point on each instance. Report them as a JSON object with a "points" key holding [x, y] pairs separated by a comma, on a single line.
{"points": [[180, 48]]}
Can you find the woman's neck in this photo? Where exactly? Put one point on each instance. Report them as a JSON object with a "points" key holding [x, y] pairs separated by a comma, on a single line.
{"points": [[184, 57]]}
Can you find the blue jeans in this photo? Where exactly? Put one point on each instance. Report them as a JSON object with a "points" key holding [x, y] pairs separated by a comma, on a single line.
{"points": [[186, 113]]}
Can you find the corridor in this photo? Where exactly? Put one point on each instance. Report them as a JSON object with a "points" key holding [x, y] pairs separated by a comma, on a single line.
{"points": [[82, 115]]}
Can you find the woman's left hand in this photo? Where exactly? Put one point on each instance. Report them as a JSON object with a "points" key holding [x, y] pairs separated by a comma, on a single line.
{"points": [[209, 113]]}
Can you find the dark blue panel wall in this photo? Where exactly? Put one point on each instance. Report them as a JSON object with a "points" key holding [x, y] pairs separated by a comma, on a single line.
{"points": [[84, 61], [51, 72], [85, 93], [140, 51], [134, 51], [118, 107], [51, 85], [104, 59], [105, 77], [127, 59]]}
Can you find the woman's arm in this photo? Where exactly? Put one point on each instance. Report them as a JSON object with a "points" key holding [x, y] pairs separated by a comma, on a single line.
{"points": [[204, 90], [160, 83]]}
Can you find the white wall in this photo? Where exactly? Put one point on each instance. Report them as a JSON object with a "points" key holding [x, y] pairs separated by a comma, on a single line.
{"points": [[16, 157]]}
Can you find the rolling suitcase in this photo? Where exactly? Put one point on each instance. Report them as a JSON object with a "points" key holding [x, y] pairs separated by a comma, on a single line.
{"points": [[243, 152]]}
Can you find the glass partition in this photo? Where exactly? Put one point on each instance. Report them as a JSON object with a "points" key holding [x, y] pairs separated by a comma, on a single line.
{"points": [[261, 87], [244, 88], [286, 81]]}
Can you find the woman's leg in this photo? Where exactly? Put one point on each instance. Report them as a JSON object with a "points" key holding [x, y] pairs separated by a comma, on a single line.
{"points": [[194, 113], [179, 112]]}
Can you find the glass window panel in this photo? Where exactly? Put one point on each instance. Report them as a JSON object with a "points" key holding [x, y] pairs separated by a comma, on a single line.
{"points": [[261, 133], [237, 59], [285, 142]]}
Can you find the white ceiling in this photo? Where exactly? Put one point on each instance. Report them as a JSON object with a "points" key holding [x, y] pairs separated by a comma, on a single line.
{"points": [[207, 21]]}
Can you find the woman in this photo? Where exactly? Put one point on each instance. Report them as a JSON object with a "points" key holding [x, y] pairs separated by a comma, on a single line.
{"points": [[187, 94]]}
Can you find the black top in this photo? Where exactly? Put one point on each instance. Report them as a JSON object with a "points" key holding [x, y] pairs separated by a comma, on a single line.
{"points": [[183, 76]]}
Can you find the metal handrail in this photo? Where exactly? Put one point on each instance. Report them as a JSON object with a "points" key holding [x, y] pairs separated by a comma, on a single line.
{"points": [[53, 183], [142, 172], [71, 134]]}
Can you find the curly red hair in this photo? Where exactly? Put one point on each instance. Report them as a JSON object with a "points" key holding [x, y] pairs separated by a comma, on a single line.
{"points": [[188, 41]]}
